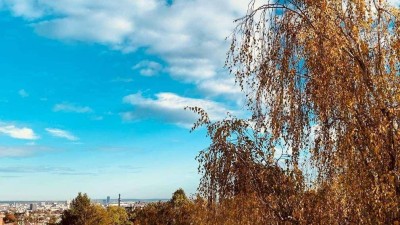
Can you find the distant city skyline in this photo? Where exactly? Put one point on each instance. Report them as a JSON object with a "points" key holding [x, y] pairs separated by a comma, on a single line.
{"points": [[94, 200], [43, 212]]}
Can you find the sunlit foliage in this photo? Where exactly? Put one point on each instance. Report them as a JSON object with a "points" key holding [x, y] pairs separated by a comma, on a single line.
{"points": [[321, 79], [178, 210]]}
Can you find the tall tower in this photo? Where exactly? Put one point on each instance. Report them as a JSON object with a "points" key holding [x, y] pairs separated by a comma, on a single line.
{"points": [[119, 200]]}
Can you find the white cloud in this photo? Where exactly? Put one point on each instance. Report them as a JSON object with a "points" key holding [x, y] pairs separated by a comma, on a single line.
{"points": [[17, 132], [223, 85], [169, 107], [68, 107], [61, 134], [97, 27], [25, 8], [148, 68], [23, 93], [189, 36]]}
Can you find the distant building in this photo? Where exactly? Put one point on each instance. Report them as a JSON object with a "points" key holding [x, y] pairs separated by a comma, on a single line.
{"points": [[108, 200], [33, 207]]}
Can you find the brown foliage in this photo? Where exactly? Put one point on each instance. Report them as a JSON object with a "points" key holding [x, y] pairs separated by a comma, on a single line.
{"points": [[322, 82], [179, 210], [10, 218]]}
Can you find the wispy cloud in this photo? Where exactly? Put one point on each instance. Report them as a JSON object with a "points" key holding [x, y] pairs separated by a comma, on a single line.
{"points": [[20, 151], [32, 169], [70, 107], [169, 107], [148, 68], [19, 170], [61, 134], [18, 132]]}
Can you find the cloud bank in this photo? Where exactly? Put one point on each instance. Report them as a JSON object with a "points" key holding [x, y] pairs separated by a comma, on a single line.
{"points": [[169, 108], [189, 36]]}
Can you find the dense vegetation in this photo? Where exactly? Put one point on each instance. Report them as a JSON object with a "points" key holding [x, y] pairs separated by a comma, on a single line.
{"points": [[83, 212], [321, 147]]}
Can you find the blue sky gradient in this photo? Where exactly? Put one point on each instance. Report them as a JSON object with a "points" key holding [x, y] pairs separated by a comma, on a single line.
{"points": [[92, 95]]}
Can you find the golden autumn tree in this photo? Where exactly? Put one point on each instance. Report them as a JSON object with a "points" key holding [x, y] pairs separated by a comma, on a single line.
{"points": [[321, 79]]}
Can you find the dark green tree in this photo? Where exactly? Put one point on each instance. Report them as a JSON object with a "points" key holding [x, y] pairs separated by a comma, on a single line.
{"points": [[179, 197]]}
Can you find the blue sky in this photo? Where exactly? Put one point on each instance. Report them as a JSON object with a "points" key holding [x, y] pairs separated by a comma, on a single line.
{"points": [[92, 94]]}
